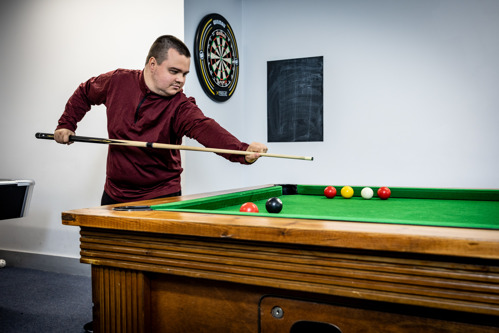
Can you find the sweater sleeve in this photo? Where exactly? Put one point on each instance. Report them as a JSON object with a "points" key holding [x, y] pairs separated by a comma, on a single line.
{"points": [[195, 125], [91, 92]]}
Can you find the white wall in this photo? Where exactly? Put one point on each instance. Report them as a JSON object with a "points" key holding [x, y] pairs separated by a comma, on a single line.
{"points": [[47, 49], [410, 90], [410, 95]]}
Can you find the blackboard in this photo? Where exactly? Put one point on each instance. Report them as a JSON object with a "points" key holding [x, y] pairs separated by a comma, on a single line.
{"points": [[295, 100]]}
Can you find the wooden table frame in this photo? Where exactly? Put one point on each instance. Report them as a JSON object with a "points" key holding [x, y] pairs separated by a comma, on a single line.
{"points": [[148, 266]]}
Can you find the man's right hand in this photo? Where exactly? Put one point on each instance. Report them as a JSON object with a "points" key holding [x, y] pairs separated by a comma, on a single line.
{"points": [[62, 136]]}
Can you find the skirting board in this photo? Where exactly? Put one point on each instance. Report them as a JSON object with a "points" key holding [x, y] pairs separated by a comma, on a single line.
{"points": [[45, 262]]}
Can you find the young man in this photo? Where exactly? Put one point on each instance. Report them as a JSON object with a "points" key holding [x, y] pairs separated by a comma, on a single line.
{"points": [[149, 105]]}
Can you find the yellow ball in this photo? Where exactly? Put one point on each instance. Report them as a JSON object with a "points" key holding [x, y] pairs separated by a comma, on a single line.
{"points": [[347, 192]]}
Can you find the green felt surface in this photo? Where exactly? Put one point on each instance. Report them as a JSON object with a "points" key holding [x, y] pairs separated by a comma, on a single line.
{"points": [[431, 207]]}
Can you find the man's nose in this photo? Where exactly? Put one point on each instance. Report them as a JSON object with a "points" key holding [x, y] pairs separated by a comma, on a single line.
{"points": [[180, 78]]}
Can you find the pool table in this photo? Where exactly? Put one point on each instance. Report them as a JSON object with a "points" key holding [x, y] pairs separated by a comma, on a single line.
{"points": [[425, 260]]}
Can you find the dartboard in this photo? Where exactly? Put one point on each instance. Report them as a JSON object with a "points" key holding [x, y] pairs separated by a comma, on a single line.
{"points": [[216, 57]]}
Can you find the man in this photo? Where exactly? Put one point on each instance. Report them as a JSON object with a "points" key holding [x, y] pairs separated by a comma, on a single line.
{"points": [[149, 105]]}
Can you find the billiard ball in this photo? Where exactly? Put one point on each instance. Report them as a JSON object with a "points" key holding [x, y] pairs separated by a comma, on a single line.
{"points": [[273, 205], [347, 192], [330, 192], [367, 193], [384, 192], [248, 207]]}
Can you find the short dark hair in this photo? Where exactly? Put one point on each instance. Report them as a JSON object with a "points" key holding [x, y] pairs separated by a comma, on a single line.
{"points": [[159, 49]]}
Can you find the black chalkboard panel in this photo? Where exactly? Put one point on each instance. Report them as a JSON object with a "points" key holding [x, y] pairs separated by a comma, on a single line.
{"points": [[295, 100]]}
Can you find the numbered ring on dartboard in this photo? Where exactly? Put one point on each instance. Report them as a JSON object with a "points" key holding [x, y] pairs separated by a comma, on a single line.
{"points": [[216, 57]]}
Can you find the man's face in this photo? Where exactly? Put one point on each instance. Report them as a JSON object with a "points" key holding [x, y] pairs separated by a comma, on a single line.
{"points": [[168, 78]]}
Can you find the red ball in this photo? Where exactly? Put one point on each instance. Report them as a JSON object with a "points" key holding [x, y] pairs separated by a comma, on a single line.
{"points": [[248, 207], [384, 193], [330, 192]]}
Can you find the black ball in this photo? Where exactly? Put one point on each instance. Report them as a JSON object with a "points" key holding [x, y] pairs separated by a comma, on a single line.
{"points": [[273, 205]]}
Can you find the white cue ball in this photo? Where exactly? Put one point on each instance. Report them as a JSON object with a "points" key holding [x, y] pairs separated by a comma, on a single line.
{"points": [[2, 263], [367, 193]]}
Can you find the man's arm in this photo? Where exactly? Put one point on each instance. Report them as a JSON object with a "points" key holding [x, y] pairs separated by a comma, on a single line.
{"points": [[91, 92]]}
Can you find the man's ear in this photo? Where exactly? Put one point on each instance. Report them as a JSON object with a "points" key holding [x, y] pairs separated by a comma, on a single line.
{"points": [[152, 63]]}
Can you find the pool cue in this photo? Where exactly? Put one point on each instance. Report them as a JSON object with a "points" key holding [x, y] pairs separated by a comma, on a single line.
{"points": [[143, 144]]}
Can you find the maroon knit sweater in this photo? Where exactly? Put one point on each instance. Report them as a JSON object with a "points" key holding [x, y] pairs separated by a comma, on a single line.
{"points": [[135, 113]]}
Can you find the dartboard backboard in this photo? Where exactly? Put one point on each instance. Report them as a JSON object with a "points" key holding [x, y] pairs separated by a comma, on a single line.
{"points": [[216, 57]]}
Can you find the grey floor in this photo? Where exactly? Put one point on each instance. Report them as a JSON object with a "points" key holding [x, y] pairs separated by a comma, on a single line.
{"points": [[39, 301]]}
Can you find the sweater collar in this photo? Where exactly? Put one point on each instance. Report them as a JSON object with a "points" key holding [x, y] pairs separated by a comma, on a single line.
{"points": [[142, 83]]}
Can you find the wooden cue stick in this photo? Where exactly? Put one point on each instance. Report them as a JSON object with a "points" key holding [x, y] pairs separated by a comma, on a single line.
{"points": [[143, 144]]}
